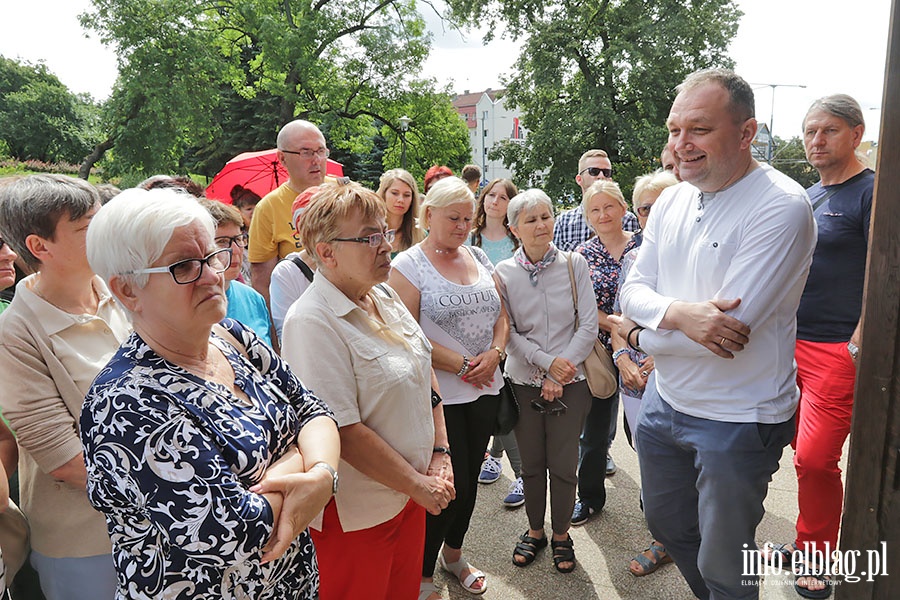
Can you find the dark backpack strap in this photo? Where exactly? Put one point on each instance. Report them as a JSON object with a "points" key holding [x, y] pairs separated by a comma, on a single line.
{"points": [[307, 272]]}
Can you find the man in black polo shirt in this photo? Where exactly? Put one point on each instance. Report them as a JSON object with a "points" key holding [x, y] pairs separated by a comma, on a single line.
{"points": [[828, 324]]}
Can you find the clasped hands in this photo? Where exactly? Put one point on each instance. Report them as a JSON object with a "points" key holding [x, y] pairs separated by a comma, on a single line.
{"points": [[434, 490], [295, 496]]}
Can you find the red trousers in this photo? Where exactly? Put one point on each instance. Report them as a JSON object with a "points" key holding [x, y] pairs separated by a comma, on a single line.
{"points": [[826, 376], [384, 561]]}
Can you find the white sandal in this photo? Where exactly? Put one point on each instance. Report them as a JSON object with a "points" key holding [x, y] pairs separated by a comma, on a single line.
{"points": [[427, 588], [457, 567]]}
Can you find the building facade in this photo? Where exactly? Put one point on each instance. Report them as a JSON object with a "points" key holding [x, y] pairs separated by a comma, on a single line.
{"points": [[489, 122]]}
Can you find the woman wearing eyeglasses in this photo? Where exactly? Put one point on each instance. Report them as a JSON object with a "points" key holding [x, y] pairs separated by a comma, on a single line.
{"points": [[205, 453], [547, 344], [448, 287], [244, 303], [351, 339]]}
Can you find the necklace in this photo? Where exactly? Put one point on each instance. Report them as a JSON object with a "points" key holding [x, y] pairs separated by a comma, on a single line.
{"points": [[441, 251]]}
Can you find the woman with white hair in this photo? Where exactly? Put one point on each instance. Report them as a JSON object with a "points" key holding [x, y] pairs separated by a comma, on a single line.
{"points": [[548, 342], [448, 288], [205, 453]]}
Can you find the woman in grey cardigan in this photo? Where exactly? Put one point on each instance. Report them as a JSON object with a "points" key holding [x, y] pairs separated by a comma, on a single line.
{"points": [[546, 348]]}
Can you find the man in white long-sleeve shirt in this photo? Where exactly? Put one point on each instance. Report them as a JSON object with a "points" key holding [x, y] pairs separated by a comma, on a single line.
{"points": [[713, 297]]}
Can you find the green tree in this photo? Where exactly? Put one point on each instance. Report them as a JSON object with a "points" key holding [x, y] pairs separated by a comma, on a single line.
{"points": [[599, 74], [200, 82], [40, 118], [790, 159]]}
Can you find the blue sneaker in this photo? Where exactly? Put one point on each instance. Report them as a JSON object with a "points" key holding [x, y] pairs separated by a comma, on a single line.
{"points": [[490, 470], [516, 496], [581, 514]]}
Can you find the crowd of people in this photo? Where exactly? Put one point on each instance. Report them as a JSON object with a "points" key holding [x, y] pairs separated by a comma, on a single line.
{"points": [[295, 396]]}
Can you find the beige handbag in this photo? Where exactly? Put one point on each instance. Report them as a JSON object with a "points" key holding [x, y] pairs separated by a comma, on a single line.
{"points": [[598, 366]]}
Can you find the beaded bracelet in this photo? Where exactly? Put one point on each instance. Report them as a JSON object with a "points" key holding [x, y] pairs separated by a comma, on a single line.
{"points": [[464, 368], [618, 353]]}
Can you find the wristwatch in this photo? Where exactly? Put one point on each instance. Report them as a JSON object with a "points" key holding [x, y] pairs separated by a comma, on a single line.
{"points": [[334, 475], [501, 352], [853, 349]]}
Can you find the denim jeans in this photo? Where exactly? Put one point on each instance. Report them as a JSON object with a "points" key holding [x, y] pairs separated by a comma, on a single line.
{"points": [[703, 486]]}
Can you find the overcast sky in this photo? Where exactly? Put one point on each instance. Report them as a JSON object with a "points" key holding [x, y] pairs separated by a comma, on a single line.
{"points": [[829, 46]]}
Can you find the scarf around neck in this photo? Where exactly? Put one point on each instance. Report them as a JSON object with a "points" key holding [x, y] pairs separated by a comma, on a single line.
{"points": [[535, 268]]}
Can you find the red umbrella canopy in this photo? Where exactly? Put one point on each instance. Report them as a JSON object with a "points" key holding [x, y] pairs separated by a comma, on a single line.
{"points": [[257, 171]]}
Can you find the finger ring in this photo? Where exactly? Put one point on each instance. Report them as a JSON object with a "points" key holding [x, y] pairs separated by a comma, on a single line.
{"points": [[722, 343], [645, 373]]}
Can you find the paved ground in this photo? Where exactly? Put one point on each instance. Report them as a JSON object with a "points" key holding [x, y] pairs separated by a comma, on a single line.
{"points": [[603, 546]]}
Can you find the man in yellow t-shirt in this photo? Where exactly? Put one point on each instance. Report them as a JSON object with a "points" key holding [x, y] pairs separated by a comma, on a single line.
{"points": [[302, 151]]}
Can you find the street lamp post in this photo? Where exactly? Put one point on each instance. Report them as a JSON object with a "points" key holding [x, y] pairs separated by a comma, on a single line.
{"points": [[772, 114], [404, 127]]}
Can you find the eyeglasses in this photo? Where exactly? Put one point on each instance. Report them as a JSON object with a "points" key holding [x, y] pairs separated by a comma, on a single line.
{"points": [[190, 270], [373, 240], [224, 241], [306, 153], [644, 210], [595, 171], [549, 408]]}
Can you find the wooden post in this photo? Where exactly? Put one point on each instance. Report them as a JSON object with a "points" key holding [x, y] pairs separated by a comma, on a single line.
{"points": [[872, 502]]}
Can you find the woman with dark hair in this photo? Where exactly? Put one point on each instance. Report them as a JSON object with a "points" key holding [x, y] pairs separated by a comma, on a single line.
{"points": [[400, 194]]}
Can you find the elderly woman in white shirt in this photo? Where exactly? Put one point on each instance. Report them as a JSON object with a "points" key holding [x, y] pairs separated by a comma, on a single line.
{"points": [[548, 341], [353, 341]]}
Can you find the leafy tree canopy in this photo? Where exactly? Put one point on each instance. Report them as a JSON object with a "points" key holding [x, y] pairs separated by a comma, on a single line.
{"points": [[599, 74], [202, 81], [40, 118]]}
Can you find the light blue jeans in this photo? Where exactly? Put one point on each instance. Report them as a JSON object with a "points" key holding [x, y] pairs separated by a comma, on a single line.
{"points": [[88, 578], [703, 485]]}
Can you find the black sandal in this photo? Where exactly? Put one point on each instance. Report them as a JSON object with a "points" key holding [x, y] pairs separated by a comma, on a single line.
{"points": [[528, 548], [564, 551]]}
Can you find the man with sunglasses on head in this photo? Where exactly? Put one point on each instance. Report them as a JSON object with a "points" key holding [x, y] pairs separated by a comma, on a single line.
{"points": [[302, 151], [571, 227]]}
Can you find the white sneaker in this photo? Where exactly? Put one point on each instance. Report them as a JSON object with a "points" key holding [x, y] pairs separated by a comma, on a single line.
{"points": [[490, 470]]}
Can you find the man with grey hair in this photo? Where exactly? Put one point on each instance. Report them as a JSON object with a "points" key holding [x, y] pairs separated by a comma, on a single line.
{"points": [[713, 298], [302, 151], [828, 324]]}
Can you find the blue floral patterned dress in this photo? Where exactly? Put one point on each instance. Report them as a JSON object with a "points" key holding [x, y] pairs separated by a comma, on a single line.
{"points": [[604, 276], [170, 458]]}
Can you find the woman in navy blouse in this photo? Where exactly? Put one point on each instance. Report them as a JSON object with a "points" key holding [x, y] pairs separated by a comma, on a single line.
{"points": [[207, 456]]}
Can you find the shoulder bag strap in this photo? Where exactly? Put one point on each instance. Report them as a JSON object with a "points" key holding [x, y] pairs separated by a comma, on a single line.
{"points": [[820, 201], [307, 272], [572, 283]]}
